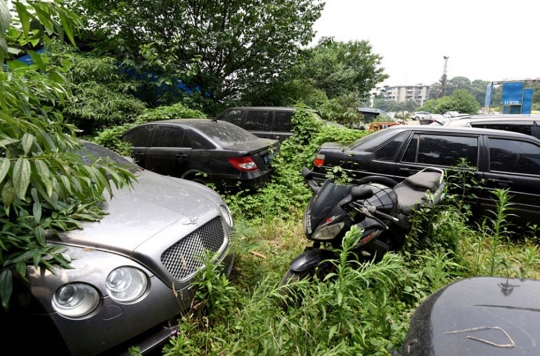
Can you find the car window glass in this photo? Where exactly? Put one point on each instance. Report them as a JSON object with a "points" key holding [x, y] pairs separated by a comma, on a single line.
{"points": [[521, 128], [389, 149], [255, 120], [514, 156], [282, 121], [224, 133], [139, 137], [90, 153], [372, 140], [441, 150], [234, 116], [168, 136]]}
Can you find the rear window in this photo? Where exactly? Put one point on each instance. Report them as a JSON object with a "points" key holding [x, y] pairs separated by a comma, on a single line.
{"points": [[91, 152], [234, 116], [224, 133]]}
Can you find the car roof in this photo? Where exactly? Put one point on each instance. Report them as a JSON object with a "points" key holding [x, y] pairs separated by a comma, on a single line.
{"points": [[459, 129], [274, 108], [495, 118]]}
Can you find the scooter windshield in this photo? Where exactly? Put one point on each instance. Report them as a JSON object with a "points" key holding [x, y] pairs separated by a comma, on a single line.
{"points": [[327, 198]]}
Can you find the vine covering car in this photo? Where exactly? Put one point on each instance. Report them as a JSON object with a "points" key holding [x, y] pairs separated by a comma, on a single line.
{"points": [[132, 270]]}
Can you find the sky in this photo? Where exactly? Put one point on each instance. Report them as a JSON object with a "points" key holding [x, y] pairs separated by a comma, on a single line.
{"points": [[489, 40]]}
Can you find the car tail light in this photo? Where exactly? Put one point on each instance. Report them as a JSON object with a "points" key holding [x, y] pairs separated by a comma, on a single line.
{"points": [[244, 164], [319, 161]]}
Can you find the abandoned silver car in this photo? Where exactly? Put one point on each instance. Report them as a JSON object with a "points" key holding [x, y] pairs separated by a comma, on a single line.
{"points": [[131, 271]]}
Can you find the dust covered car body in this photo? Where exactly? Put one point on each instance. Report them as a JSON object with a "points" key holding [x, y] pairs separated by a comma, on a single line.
{"points": [[131, 270]]}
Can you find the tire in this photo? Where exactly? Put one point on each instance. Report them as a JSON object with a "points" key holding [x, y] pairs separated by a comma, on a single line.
{"points": [[288, 297], [377, 249]]}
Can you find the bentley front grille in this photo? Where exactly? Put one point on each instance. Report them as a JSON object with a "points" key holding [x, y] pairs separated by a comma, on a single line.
{"points": [[188, 255]]}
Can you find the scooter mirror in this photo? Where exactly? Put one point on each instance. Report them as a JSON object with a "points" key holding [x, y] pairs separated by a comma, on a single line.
{"points": [[306, 173], [358, 193]]}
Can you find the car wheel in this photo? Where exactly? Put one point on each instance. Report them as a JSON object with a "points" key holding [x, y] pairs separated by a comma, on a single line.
{"points": [[199, 177]]}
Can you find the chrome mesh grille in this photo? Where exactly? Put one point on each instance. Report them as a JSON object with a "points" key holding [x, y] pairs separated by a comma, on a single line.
{"points": [[188, 255]]}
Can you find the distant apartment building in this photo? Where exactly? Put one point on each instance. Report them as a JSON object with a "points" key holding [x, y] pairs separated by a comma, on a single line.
{"points": [[418, 93]]}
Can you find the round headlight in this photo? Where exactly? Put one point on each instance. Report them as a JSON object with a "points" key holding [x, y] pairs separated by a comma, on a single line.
{"points": [[75, 299], [227, 215], [125, 284]]}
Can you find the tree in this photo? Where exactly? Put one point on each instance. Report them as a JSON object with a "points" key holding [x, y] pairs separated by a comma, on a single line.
{"points": [[44, 186], [340, 68], [460, 101], [103, 95], [216, 49]]}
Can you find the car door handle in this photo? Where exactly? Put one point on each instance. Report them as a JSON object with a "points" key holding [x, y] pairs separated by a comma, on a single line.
{"points": [[181, 156], [501, 182]]}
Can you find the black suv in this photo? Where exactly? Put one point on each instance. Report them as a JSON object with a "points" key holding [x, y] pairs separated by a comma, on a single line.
{"points": [[265, 121], [502, 159]]}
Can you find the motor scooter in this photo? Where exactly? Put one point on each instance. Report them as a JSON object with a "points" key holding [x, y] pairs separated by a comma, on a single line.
{"points": [[379, 206]]}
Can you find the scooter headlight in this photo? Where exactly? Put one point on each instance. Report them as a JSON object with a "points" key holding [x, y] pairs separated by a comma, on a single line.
{"points": [[328, 232]]}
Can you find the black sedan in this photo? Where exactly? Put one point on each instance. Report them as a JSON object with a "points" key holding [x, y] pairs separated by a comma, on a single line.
{"points": [[202, 150], [502, 159]]}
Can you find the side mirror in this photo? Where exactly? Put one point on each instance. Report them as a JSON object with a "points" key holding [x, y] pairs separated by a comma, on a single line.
{"points": [[307, 174]]}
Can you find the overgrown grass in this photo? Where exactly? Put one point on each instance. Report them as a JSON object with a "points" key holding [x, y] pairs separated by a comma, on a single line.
{"points": [[362, 309]]}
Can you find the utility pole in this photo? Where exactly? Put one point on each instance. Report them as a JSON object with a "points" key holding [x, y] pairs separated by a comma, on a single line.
{"points": [[443, 79]]}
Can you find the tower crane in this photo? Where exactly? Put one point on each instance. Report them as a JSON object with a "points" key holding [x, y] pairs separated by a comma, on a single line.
{"points": [[443, 78]]}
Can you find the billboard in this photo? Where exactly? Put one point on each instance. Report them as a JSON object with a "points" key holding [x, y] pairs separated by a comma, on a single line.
{"points": [[512, 93], [527, 101]]}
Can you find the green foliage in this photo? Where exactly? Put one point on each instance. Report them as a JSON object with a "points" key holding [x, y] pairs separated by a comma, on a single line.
{"points": [[333, 77], [110, 137], [44, 186], [287, 190], [214, 48], [394, 106], [342, 109], [360, 309], [460, 101], [102, 95]]}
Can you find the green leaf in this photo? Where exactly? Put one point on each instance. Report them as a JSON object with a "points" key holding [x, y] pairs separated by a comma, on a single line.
{"points": [[21, 177], [27, 141], [40, 235], [5, 18], [16, 64], [37, 212], [37, 60], [4, 168], [332, 331], [21, 267], [8, 194], [6, 287], [24, 16]]}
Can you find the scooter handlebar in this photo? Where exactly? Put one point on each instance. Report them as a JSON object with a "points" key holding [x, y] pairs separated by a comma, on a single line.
{"points": [[373, 210]]}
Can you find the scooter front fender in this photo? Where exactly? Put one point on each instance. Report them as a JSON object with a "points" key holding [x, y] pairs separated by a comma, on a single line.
{"points": [[310, 259]]}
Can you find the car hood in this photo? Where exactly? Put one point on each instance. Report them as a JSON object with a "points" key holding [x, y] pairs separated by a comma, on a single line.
{"points": [[476, 316], [154, 205]]}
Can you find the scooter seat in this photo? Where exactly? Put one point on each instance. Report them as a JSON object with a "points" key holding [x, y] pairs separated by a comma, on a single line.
{"points": [[412, 191]]}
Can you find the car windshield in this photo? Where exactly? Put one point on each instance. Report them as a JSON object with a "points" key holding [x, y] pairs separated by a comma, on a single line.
{"points": [[224, 133], [375, 138], [92, 152]]}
